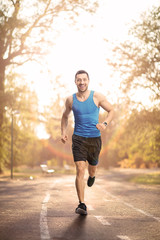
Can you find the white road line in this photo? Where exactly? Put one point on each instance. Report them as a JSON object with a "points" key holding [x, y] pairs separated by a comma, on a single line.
{"points": [[102, 220], [69, 185], [131, 206], [123, 237], [43, 219], [108, 200], [143, 212]]}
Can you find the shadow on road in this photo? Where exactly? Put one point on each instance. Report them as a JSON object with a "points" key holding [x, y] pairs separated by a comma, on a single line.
{"points": [[77, 228]]}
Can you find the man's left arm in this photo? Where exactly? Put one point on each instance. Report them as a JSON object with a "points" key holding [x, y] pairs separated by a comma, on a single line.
{"points": [[102, 102]]}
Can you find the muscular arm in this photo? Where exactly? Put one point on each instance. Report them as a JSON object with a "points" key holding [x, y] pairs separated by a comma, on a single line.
{"points": [[102, 102], [107, 107], [64, 119]]}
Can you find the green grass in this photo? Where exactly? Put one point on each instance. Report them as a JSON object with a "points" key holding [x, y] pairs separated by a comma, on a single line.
{"points": [[152, 178]]}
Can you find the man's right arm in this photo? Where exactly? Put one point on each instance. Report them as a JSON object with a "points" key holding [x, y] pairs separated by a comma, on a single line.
{"points": [[64, 119]]}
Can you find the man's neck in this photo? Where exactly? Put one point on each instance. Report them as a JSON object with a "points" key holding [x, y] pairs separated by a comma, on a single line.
{"points": [[83, 95]]}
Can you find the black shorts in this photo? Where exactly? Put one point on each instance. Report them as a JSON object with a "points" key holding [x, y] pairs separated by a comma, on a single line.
{"points": [[86, 149]]}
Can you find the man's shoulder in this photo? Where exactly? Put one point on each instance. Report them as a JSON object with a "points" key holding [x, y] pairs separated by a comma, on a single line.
{"points": [[69, 100], [98, 95]]}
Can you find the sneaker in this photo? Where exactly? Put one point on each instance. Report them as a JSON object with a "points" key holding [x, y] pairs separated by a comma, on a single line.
{"points": [[90, 181], [81, 209]]}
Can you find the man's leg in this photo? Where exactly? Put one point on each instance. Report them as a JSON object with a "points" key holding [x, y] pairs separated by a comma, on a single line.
{"points": [[92, 170], [80, 185], [93, 155]]}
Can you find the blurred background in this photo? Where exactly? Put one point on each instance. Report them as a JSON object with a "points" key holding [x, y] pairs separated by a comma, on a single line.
{"points": [[43, 43]]}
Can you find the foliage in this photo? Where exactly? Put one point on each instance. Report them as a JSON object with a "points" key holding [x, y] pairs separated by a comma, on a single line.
{"points": [[152, 178], [25, 34], [26, 146], [27, 150], [138, 60], [132, 140], [140, 139], [5, 139], [53, 112], [23, 30], [110, 153]]}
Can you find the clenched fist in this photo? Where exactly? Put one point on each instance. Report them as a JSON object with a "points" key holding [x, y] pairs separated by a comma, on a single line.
{"points": [[64, 138], [101, 126]]}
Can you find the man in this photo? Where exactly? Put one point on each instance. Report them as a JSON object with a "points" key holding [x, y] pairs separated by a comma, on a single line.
{"points": [[86, 139]]}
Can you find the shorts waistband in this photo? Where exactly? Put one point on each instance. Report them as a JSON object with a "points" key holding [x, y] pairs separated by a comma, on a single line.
{"points": [[80, 137]]}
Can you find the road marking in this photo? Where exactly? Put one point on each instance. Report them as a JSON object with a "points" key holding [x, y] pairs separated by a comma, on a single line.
{"points": [[108, 200], [123, 237], [69, 185], [131, 206], [43, 219], [102, 220], [141, 211]]}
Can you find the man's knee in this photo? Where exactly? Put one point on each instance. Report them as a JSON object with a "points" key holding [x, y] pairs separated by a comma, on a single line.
{"points": [[80, 168]]}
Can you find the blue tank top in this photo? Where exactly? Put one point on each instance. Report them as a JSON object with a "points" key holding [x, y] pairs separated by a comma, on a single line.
{"points": [[86, 116]]}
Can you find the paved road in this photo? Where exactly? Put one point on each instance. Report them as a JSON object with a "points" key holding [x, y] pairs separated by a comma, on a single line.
{"points": [[44, 209]]}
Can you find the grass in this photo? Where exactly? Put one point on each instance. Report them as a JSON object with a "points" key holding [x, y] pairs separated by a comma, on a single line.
{"points": [[151, 178], [21, 173], [24, 173]]}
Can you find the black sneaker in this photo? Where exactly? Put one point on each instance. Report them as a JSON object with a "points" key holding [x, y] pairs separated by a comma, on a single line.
{"points": [[81, 209], [90, 181]]}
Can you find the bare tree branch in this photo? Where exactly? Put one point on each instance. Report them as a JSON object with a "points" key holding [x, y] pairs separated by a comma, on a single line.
{"points": [[12, 2]]}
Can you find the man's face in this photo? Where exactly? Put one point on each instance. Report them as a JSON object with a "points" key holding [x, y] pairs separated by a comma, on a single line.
{"points": [[82, 82]]}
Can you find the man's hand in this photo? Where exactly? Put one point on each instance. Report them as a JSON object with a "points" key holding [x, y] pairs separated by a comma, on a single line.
{"points": [[64, 138], [101, 126]]}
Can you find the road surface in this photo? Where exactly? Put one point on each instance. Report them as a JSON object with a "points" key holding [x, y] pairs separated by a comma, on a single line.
{"points": [[45, 209]]}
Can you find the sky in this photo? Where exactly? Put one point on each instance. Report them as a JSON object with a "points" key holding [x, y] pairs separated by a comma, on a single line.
{"points": [[82, 46]]}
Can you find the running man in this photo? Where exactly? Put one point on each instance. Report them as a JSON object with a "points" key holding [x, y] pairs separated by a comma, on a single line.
{"points": [[86, 139]]}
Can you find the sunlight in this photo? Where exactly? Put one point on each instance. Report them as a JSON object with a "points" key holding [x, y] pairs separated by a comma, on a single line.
{"points": [[41, 132], [83, 47]]}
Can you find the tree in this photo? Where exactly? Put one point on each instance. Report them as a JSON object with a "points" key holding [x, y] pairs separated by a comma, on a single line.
{"points": [[138, 60], [139, 142], [52, 121], [109, 155], [24, 134], [24, 32], [5, 150], [53, 113]]}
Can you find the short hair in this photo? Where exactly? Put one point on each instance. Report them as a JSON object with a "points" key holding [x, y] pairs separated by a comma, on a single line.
{"points": [[81, 72]]}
